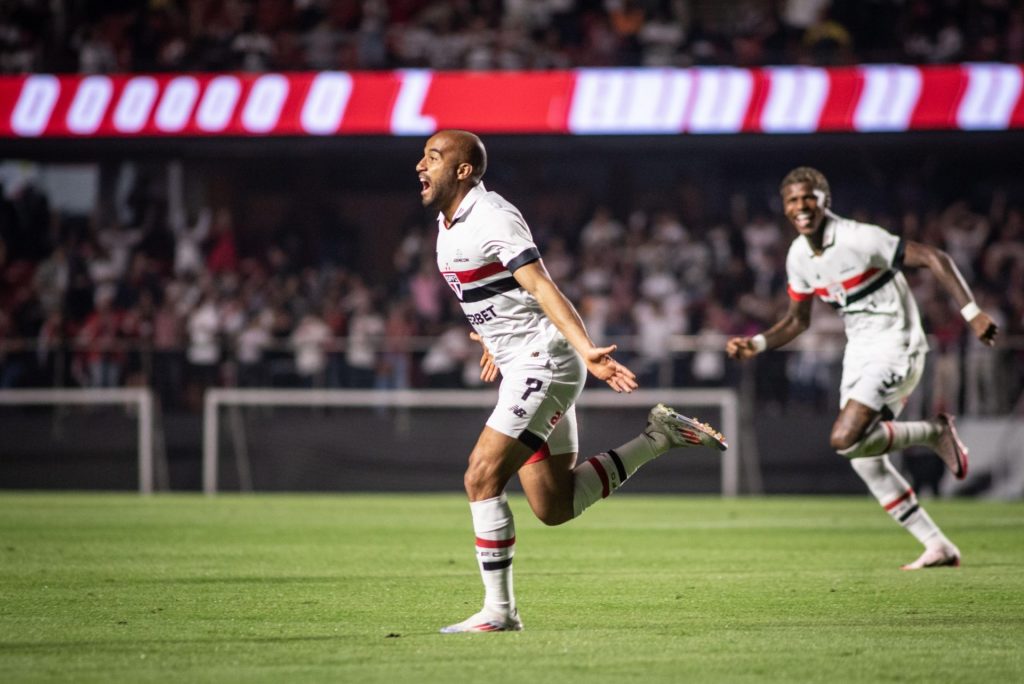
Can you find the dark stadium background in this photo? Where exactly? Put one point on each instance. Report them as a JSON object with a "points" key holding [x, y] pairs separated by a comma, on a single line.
{"points": [[349, 202]]}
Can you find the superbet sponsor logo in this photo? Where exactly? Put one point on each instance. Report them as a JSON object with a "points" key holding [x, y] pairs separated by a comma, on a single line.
{"points": [[712, 100], [482, 317]]}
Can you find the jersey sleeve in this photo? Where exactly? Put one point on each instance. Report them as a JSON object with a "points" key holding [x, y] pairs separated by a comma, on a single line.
{"points": [[797, 286], [509, 240]]}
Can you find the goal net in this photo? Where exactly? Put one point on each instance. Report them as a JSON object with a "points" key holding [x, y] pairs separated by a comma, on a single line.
{"points": [[77, 438], [418, 440]]}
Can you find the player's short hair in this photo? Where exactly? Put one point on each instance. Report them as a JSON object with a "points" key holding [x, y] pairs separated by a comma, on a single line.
{"points": [[806, 174], [476, 155], [471, 151]]}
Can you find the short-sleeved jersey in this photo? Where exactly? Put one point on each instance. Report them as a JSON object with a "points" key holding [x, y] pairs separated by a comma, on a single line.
{"points": [[477, 254], [858, 274]]}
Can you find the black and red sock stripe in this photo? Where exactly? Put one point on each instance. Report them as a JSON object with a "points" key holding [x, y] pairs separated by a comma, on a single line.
{"points": [[500, 563], [608, 484]]}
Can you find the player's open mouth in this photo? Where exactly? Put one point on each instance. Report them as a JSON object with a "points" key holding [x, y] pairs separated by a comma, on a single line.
{"points": [[804, 219], [425, 185]]}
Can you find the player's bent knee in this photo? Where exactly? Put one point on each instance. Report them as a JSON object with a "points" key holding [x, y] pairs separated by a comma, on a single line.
{"points": [[553, 517], [845, 442], [858, 449], [481, 482]]}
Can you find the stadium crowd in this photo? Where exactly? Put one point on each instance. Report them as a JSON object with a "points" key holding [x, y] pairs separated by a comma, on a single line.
{"points": [[167, 294], [164, 292], [260, 35]]}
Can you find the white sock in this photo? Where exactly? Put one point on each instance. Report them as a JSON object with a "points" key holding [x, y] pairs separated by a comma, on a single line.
{"points": [[891, 435], [599, 476], [898, 498], [495, 545]]}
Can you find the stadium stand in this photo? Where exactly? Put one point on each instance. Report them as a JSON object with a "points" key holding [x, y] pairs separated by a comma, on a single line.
{"points": [[283, 35], [212, 272]]}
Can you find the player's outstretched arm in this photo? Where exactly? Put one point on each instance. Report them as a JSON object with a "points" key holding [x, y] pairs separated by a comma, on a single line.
{"points": [[602, 365], [488, 370], [944, 269], [535, 279], [796, 320]]}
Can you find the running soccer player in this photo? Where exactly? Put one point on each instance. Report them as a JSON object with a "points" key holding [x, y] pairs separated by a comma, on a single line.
{"points": [[535, 337], [855, 268]]}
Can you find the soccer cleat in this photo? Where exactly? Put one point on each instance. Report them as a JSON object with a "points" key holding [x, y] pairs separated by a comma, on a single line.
{"points": [[485, 621], [676, 430], [945, 555], [950, 449]]}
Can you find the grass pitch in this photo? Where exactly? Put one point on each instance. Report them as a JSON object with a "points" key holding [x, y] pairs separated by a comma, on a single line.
{"points": [[352, 588]]}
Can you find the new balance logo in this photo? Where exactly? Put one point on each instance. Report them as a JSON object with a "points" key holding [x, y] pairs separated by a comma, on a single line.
{"points": [[518, 410]]}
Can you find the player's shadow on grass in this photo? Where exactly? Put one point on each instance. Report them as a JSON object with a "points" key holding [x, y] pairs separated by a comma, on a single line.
{"points": [[13, 646], [240, 580]]}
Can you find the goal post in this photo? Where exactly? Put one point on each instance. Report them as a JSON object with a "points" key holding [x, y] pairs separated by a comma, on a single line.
{"points": [[140, 397], [725, 400]]}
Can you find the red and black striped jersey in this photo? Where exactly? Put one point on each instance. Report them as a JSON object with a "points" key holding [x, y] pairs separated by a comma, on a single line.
{"points": [[858, 274], [487, 241]]}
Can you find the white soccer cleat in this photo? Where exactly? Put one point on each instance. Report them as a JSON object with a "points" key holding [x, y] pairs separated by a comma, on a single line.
{"points": [[944, 555], [950, 449], [486, 621], [672, 429]]}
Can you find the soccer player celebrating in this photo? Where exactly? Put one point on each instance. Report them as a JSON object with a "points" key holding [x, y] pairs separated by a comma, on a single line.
{"points": [[535, 337], [855, 268]]}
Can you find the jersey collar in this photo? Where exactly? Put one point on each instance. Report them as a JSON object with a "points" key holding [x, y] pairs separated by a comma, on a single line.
{"points": [[828, 237], [465, 205]]}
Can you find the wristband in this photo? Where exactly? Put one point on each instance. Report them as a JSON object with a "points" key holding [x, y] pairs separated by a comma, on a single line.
{"points": [[759, 343], [969, 311]]}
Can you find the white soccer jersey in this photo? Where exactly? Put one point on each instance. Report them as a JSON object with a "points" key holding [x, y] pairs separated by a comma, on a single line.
{"points": [[858, 274], [477, 255]]}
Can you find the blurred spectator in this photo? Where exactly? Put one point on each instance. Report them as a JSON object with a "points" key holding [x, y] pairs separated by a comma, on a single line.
{"points": [[394, 369], [241, 296], [223, 255], [100, 361], [447, 355], [425, 289], [947, 330], [602, 230], [204, 347], [185, 35], [655, 327], [50, 279], [709, 364], [365, 330], [168, 346], [310, 340], [986, 388], [253, 50], [827, 41], [250, 343]]}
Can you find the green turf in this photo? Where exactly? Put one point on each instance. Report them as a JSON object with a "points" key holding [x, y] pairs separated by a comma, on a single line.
{"points": [[642, 589]]}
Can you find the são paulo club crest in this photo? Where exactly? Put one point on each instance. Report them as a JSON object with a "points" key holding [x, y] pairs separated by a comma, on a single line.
{"points": [[837, 293], [453, 282]]}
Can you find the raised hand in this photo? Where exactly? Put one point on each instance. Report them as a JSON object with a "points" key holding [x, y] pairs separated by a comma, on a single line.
{"points": [[984, 328]]}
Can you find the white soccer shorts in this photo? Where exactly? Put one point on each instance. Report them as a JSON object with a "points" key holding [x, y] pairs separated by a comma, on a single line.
{"points": [[536, 398], [879, 380]]}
